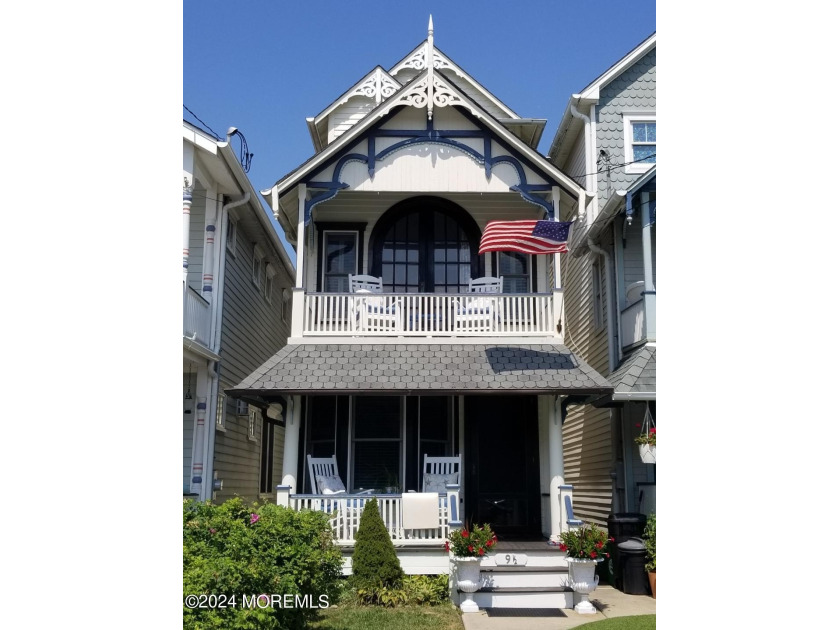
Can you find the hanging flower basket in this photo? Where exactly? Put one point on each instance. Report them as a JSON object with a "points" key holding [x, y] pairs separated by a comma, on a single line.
{"points": [[647, 439], [647, 453]]}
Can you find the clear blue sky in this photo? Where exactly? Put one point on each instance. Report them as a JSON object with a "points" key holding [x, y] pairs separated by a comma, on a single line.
{"points": [[263, 67]]}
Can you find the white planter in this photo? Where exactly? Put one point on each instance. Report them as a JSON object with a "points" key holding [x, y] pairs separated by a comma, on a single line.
{"points": [[583, 580], [469, 572], [647, 453]]}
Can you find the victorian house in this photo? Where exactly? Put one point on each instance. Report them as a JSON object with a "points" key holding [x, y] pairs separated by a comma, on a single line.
{"points": [[414, 364]]}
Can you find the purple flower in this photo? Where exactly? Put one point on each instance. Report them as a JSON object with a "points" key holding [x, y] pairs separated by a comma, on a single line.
{"points": [[212, 530], [254, 518]]}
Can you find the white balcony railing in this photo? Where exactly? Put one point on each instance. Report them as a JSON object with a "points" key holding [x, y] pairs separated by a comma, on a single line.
{"points": [[196, 317], [428, 314], [345, 511]]}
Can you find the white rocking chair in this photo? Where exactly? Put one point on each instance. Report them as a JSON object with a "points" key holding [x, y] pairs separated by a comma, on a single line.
{"points": [[479, 314], [440, 471], [323, 474], [375, 312]]}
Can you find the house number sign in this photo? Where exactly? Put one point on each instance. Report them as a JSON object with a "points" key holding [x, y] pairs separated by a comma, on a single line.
{"points": [[511, 559]]}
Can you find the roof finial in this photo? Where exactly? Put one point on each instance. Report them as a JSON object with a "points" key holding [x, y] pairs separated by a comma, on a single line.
{"points": [[431, 26]]}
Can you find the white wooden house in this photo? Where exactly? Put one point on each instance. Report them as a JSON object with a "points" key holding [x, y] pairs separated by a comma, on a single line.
{"points": [[607, 141], [237, 280], [411, 163]]}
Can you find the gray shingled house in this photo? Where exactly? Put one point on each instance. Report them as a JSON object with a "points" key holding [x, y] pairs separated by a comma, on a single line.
{"points": [[411, 164], [606, 140]]}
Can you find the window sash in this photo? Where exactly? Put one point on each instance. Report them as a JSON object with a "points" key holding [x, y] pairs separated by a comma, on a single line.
{"points": [[334, 264]]}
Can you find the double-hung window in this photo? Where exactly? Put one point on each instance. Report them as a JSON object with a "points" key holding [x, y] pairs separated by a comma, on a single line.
{"points": [[269, 281], [515, 268], [257, 267], [377, 442], [639, 142]]}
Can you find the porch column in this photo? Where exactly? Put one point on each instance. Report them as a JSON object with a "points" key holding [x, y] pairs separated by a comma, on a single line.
{"points": [[290, 447], [198, 478], [186, 228], [555, 465], [298, 293], [647, 260], [557, 289]]}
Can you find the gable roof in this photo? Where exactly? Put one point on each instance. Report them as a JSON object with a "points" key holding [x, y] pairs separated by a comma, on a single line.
{"points": [[413, 94], [590, 95]]}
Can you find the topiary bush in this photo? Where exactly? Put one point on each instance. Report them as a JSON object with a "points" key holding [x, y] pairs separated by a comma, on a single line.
{"points": [[233, 550], [375, 562]]}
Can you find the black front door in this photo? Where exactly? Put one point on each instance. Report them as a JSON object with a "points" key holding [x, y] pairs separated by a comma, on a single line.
{"points": [[502, 464]]}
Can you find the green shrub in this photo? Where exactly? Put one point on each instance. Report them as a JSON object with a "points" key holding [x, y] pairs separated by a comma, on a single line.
{"points": [[237, 550], [375, 562], [427, 589], [650, 542]]}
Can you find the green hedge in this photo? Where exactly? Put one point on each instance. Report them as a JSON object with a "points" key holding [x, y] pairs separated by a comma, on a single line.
{"points": [[234, 550]]}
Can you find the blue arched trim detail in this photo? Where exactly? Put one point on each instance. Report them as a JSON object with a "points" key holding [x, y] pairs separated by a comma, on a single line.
{"points": [[429, 135]]}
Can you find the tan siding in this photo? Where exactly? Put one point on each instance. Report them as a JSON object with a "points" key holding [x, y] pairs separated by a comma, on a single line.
{"points": [[587, 432]]}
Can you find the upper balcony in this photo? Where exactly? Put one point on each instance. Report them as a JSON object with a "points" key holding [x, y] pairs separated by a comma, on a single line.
{"points": [[429, 314]]}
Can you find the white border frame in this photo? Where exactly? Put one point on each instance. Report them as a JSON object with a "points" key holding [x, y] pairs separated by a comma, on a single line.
{"points": [[628, 119]]}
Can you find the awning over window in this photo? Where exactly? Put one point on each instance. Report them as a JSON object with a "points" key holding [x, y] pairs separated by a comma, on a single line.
{"points": [[411, 369]]}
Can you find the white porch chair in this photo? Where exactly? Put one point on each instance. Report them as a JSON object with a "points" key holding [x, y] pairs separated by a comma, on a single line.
{"points": [[439, 471], [480, 313], [323, 473], [375, 312]]}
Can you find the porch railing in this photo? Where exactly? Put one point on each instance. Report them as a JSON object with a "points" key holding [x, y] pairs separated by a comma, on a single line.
{"points": [[345, 512], [428, 314], [196, 316]]}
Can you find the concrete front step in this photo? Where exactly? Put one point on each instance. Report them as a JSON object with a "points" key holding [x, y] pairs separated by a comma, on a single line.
{"points": [[549, 557], [526, 598], [525, 579]]}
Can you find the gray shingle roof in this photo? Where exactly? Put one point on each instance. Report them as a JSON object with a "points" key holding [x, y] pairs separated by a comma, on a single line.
{"points": [[637, 373], [423, 369]]}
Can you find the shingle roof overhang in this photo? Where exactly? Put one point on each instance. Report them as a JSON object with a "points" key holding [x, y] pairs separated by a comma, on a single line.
{"points": [[634, 380], [416, 369]]}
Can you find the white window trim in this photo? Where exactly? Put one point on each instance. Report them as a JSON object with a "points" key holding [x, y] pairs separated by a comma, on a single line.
{"points": [[629, 118], [256, 266], [269, 281], [253, 417], [221, 408], [230, 237], [355, 235]]}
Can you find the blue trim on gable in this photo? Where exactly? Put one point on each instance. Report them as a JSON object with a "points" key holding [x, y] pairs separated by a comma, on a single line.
{"points": [[430, 135]]}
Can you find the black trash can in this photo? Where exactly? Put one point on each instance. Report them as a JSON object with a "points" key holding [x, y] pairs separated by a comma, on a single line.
{"points": [[621, 527], [631, 567]]}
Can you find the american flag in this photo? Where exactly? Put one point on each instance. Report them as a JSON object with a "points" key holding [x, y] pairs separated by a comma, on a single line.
{"points": [[529, 237]]}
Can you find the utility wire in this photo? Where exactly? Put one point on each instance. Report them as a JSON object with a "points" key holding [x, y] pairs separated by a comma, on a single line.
{"points": [[206, 126]]}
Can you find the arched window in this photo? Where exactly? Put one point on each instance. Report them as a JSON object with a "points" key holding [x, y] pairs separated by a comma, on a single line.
{"points": [[426, 245]]}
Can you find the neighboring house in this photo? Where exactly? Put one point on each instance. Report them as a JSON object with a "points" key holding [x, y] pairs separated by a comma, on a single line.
{"points": [[411, 163], [237, 310], [606, 140]]}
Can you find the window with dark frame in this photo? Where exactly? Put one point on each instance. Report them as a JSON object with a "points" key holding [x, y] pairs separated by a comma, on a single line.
{"points": [[340, 260], [377, 442]]}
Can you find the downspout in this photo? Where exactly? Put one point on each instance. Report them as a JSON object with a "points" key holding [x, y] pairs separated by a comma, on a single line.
{"points": [[215, 336], [589, 150]]}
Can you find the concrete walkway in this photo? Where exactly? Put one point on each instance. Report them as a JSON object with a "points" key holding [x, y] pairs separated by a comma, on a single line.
{"points": [[609, 601]]}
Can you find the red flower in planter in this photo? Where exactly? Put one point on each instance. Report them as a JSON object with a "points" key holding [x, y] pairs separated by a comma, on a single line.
{"points": [[563, 547], [481, 551], [593, 554], [599, 544], [446, 545], [464, 534], [470, 548]]}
